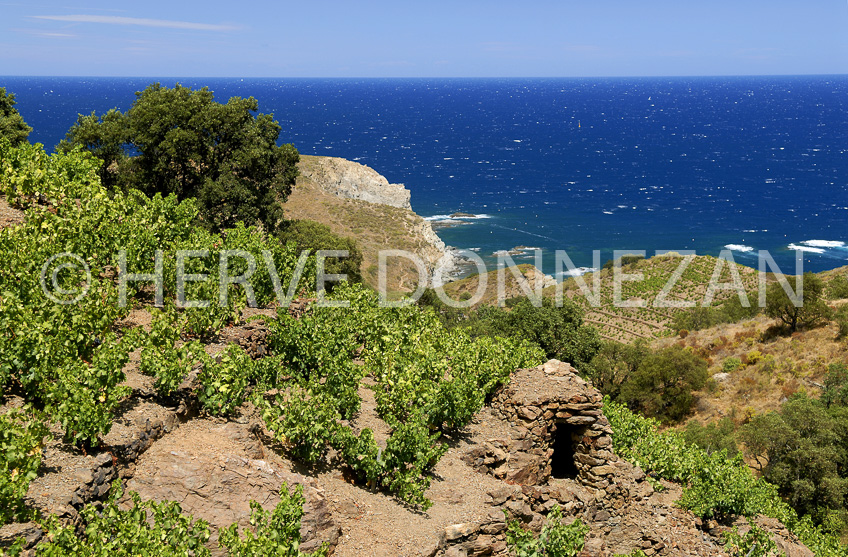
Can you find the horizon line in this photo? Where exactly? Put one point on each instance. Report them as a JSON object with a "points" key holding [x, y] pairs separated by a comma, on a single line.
{"points": [[667, 76]]}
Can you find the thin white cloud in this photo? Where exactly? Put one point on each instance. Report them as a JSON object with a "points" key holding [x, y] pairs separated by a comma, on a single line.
{"points": [[57, 35], [143, 22], [47, 34]]}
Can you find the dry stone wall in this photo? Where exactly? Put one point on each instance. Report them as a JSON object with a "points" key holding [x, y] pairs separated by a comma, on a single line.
{"points": [[555, 448]]}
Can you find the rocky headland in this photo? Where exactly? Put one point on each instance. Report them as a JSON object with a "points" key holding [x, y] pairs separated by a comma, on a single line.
{"points": [[351, 180], [356, 201]]}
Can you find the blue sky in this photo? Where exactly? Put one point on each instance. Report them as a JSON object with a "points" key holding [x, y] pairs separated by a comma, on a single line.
{"points": [[423, 39]]}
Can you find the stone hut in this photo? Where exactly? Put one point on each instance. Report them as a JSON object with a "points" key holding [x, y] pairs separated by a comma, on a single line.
{"points": [[558, 430]]}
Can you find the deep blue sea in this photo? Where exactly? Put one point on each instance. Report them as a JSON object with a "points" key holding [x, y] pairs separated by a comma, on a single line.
{"points": [[574, 164]]}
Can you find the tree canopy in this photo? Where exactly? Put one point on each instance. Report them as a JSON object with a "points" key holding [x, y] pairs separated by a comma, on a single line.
{"points": [[661, 387], [803, 446], [177, 140], [812, 310], [314, 236], [559, 330], [12, 125]]}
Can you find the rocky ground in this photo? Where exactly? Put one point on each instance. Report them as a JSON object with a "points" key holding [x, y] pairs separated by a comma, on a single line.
{"points": [[166, 449], [8, 215]]}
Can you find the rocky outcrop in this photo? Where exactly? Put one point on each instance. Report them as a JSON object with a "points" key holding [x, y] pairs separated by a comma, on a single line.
{"points": [[352, 180], [441, 261], [219, 489], [356, 201]]}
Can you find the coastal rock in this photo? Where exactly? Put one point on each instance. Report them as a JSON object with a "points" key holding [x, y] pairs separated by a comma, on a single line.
{"points": [[352, 180], [356, 201]]}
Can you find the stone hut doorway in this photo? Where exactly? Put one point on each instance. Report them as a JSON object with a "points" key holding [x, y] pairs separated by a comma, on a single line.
{"points": [[564, 444]]}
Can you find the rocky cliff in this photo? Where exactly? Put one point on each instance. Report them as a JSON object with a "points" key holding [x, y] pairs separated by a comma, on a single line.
{"points": [[352, 180], [356, 201]]}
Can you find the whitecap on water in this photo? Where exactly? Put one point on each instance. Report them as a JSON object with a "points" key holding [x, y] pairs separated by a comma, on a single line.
{"points": [[796, 247], [739, 247], [824, 243], [577, 272]]}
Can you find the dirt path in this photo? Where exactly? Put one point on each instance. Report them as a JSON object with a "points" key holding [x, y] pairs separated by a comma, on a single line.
{"points": [[377, 524], [8, 215]]}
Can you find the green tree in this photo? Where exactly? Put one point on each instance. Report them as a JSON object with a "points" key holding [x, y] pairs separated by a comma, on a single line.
{"points": [[614, 364], [841, 317], [663, 385], [314, 236], [107, 138], [12, 125], [835, 390], [811, 310], [805, 446], [713, 437], [838, 288], [558, 330], [183, 142]]}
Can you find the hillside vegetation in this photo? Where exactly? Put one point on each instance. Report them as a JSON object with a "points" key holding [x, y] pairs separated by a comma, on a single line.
{"points": [[656, 287], [66, 360]]}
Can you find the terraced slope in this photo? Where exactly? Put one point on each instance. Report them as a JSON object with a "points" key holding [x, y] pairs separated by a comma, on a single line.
{"points": [[660, 283]]}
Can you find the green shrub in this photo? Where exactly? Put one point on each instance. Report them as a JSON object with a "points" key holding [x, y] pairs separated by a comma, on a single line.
{"points": [[556, 539], [838, 288], [615, 364], [730, 311], [314, 236], [12, 125], [731, 364], [146, 529], [841, 318], [756, 542], [224, 380], [713, 437], [559, 331], [753, 357], [21, 441], [663, 384], [303, 421], [835, 390]]}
